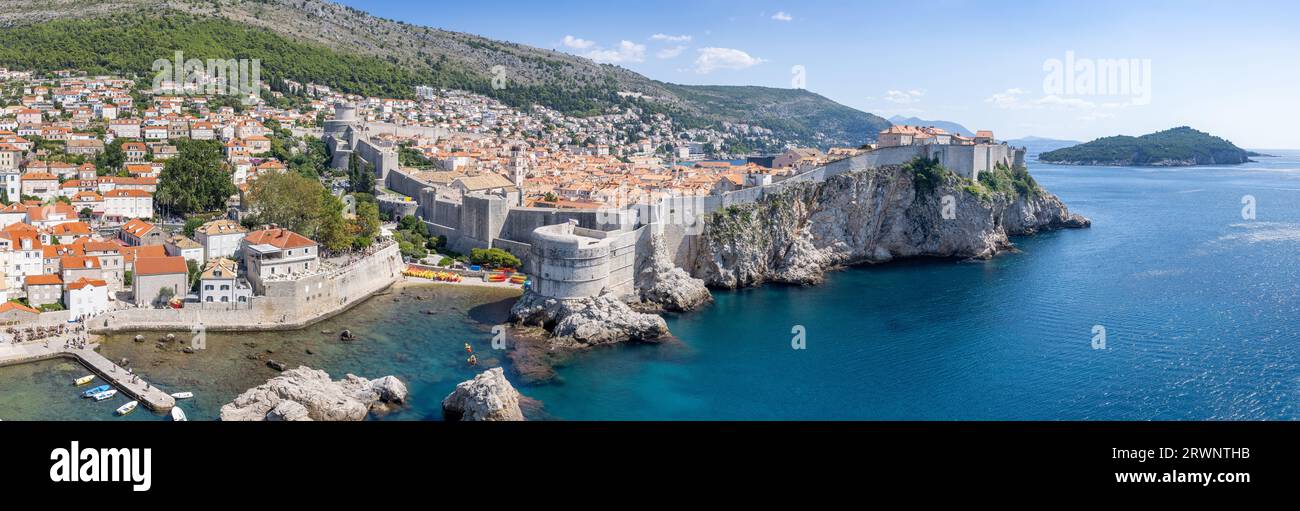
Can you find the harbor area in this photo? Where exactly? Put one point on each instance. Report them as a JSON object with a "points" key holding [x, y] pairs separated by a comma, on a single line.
{"points": [[20, 346]]}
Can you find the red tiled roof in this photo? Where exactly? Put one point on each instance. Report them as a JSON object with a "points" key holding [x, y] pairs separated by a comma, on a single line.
{"points": [[279, 238], [43, 280], [160, 265], [137, 227], [83, 282], [8, 306]]}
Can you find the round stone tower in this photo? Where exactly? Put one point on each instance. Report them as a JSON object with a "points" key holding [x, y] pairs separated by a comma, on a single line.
{"points": [[568, 265]]}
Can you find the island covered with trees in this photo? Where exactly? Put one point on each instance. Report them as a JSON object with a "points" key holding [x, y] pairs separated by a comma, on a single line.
{"points": [[1181, 146]]}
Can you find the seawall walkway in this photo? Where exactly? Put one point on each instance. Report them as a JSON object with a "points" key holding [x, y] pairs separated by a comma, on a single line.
{"points": [[131, 384]]}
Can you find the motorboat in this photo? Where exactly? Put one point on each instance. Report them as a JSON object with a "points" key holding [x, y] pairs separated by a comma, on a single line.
{"points": [[178, 415], [127, 408], [105, 394], [90, 392]]}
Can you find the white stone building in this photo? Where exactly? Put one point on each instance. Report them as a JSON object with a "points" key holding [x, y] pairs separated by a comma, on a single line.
{"points": [[220, 238], [86, 297], [275, 254]]}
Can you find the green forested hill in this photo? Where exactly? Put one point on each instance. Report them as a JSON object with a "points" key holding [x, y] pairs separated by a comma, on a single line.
{"points": [[1172, 147], [327, 43]]}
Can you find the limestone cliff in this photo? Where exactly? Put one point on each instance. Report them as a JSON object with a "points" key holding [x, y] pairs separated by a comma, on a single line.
{"points": [[663, 286], [795, 235]]}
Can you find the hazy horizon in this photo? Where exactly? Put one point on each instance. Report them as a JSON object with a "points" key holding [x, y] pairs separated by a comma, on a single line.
{"points": [[984, 65]]}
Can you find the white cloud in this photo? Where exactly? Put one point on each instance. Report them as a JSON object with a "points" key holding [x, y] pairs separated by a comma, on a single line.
{"points": [[1096, 116], [1054, 100], [712, 59], [1015, 99], [577, 43], [669, 53], [782, 16], [672, 38], [1008, 99], [627, 51], [903, 97]]}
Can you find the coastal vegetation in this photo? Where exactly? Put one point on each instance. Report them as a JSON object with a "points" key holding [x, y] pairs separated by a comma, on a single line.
{"points": [[195, 180], [303, 205], [927, 174], [1173, 147], [1013, 182], [494, 258], [413, 238]]}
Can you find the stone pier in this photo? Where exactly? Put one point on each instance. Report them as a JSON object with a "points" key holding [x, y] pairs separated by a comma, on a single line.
{"points": [[150, 396]]}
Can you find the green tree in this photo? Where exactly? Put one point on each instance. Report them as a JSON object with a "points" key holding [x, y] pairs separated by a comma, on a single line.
{"points": [[367, 223], [192, 225], [111, 158], [195, 180], [361, 175], [193, 272], [288, 200], [334, 232]]}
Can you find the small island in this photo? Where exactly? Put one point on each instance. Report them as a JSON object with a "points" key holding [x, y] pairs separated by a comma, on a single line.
{"points": [[1177, 147]]}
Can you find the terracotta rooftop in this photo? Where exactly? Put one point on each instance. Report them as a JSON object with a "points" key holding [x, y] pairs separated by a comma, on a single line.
{"points": [[279, 238], [83, 282], [160, 265], [43, 280]]}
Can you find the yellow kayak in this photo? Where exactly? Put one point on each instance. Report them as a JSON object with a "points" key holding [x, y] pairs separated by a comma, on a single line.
{"points": [[85, 379]]}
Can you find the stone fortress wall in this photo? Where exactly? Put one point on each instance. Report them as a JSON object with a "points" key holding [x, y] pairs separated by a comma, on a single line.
{"points": [[287, 305], [579, 253]]}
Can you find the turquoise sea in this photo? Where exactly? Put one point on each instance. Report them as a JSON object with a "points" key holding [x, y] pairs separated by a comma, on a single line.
{"points": [[1200, 307]]}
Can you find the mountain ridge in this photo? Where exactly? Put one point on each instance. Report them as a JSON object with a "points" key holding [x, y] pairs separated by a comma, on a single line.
{"points": [[569, 83]]}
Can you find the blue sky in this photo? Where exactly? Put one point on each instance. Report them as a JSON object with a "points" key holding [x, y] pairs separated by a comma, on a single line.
{"points": [[986, 64]]}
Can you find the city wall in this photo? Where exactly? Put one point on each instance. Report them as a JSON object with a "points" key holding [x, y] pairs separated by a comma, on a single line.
{"points": [[287, 305]]}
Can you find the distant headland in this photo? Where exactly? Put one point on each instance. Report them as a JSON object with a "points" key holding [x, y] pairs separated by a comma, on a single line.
{"points": [[1177, 147]]}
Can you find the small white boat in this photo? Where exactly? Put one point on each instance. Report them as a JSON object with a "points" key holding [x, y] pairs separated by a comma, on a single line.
{"points": [[85, 379], [182, 395], [127, 408], [105, 394], [178, 415]]}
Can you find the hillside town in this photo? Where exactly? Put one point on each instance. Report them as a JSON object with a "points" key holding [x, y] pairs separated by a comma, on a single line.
{"points": [[92, 221]]}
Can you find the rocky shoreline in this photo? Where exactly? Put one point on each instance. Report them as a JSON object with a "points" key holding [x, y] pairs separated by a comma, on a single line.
{"points": [[487, 397], [306, 394], [795, 236]]}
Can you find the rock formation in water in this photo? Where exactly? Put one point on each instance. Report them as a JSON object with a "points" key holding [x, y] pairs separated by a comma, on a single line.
{"points": [[663, 286], [304, 393], [586, 322], [795, 235], [487, 397]]}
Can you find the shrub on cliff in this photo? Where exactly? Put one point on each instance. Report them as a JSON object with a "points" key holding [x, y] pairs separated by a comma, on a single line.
{"points": [[927, 174]]}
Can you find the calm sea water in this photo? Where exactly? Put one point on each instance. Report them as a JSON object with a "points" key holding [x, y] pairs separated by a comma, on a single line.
{"points": [[1199, 306]]}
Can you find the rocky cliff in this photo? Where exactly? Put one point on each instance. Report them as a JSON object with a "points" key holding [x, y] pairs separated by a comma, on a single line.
{"points": [[663, 286], [306, 394], [872, 216]]}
